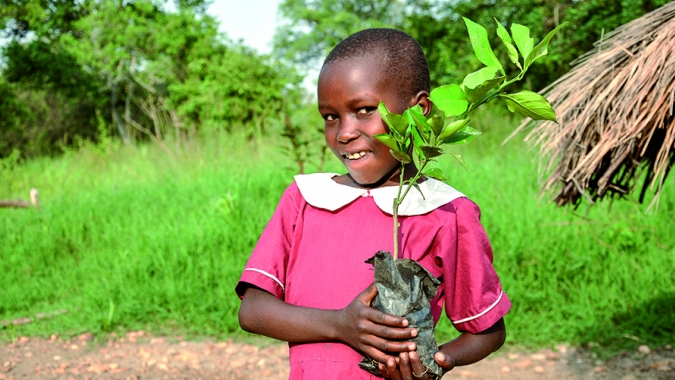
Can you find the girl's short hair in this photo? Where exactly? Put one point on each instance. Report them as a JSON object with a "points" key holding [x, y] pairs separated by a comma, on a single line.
{"points": [[401, 57]]}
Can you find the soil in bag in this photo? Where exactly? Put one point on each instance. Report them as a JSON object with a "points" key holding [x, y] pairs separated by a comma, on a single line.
{"points": [[404, 288]]}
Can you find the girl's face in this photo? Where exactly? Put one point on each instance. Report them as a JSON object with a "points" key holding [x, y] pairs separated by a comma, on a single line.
{"points": [[349, 92]]}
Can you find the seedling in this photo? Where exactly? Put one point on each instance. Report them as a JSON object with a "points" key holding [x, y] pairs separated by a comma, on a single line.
{"points": [[404, 286], [414, 137]]}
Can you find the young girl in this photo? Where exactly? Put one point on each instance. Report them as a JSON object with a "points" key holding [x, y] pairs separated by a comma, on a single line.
{"points": [[307, 282]]}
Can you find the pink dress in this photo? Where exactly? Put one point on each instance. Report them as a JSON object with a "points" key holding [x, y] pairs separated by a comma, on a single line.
{"points": [[312, 253]]}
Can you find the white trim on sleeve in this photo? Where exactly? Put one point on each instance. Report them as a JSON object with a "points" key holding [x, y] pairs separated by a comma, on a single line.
{"points": [[268, 275], [482, 312]]}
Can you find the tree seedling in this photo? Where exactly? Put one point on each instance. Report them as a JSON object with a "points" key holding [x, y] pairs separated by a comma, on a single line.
{"points": [[405, 287]]}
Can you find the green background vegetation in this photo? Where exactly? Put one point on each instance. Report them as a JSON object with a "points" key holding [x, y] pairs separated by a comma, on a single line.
{"points": [[160, 149], [132, 236]]}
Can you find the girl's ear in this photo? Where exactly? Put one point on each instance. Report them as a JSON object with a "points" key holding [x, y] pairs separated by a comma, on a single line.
{"points": [[422, 98]]}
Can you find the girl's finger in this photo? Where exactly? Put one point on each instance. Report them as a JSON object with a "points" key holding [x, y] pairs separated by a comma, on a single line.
{"points": [[418, 369], [392, 368], [394, 333], [384, 345], [386, 319], [404, 365]]}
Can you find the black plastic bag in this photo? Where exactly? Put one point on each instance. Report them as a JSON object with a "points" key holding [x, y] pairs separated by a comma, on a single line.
{"points": [[404, 288]]}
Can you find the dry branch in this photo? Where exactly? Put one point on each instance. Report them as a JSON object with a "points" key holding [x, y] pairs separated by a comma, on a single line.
{"points": [[26, 320], [19, 203], [615, 111]]}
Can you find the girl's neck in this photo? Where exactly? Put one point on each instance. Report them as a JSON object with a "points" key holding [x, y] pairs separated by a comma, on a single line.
{"points": [[390, 179]]}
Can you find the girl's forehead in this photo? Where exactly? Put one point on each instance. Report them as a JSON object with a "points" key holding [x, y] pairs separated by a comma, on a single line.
{"points": [[358, 72]]}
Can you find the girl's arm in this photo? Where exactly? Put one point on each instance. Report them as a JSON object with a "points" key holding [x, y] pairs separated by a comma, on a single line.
{"points": [[369, 331], [466, 349]]}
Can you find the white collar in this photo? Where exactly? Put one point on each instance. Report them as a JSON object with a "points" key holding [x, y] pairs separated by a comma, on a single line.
{"points": [[319, 190]]}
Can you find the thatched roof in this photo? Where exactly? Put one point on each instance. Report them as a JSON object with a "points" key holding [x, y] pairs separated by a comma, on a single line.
{"points": [[615, 111]]}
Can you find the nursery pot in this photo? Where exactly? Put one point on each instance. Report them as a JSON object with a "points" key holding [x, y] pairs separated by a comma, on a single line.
{"points": [[404, 288]]}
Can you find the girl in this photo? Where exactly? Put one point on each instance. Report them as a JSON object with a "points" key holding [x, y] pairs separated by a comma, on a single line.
{"points": [[305, 280]]}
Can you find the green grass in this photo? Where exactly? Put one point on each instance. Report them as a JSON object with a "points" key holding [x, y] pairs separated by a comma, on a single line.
{"points": [[140, 238]]}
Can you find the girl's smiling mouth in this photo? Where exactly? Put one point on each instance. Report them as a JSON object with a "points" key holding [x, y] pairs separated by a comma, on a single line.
{"points": [[354, 156]]}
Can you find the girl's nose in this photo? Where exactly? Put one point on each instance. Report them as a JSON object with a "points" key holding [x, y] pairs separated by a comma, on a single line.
{"points": [[347, 132]]}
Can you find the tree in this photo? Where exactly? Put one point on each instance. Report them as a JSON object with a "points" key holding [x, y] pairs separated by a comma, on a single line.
{"points": [[314, 27], [144, 70]]}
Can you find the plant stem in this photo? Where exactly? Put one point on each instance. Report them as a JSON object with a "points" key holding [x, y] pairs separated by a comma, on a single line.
{"points": [[399, 199]]}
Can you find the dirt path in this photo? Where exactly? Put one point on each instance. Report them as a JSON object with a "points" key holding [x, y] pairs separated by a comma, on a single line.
{"points": [[138, 355]]}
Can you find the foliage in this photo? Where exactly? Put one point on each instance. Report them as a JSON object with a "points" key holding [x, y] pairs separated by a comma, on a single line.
{"points": [[447, 123], [146, 71], [165, 242], [314, 27]]}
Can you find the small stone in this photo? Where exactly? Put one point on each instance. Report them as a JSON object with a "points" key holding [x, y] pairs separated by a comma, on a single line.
{"points": [[53, 337], [523, 364], [467, 374], [561, 348], [505, 369], [513, 356], [539, 369], [538, 356], [261, 363], [57, 357], [663, 365], [28, 354], [74, 347], [599, 369], [644, 349]]}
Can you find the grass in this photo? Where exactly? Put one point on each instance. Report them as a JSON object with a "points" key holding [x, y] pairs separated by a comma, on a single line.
{"points": [[135, 237]]}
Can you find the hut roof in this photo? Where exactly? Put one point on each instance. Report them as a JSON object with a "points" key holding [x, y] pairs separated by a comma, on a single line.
{"points": [[615, 111]]}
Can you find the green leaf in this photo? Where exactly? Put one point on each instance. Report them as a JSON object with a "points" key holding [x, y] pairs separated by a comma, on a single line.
{"points": [[450, 99], [479, 92], [436, 120], [436, 173], [481, 44], [397, 123], [506, 39], [463, 136], [460, 159], [387, 140], [479, 77], [521, 35], [400, 156], [419, 120], [416, 186], [452, 128], [542, 48], [419, 141], [431, 151], [530, 104], [409, 118]]}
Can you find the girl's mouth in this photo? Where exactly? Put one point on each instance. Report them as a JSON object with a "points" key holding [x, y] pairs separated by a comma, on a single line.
{"points": [[354, 156]]}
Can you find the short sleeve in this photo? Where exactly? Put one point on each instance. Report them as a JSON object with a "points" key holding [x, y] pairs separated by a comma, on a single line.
{"points": [[266, 268], [474, 299]]}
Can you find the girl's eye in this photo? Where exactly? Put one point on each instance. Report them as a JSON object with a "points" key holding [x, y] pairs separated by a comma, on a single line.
{"points": [[329, 117], [366, 110]]}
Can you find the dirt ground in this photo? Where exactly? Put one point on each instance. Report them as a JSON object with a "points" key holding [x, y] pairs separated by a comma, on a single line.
{"points": [[138, 355]]}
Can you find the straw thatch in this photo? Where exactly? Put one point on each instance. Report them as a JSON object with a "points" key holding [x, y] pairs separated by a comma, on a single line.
{"points": [[615, 111]]}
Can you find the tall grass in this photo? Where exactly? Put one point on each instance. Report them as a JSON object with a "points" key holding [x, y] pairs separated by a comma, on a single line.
{"points": [[140, 238]]}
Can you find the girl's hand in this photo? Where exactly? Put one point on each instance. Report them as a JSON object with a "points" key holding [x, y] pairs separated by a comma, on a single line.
{"points": [[409, 367], [373, 332]]}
